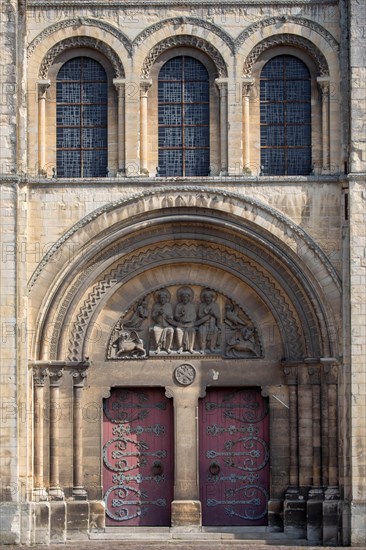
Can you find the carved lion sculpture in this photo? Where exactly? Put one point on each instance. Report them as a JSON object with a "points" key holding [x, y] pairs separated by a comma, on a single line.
{"points": [[129, 344]]}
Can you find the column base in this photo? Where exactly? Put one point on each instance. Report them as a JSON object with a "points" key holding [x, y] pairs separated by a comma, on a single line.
{"points": [[331, 517], [275, 516], [186, 513], [315, 515], [79, 493], [295, 514], [56, 493], [40, 494]]}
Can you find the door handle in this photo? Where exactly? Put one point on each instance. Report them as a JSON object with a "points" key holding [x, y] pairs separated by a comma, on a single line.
{"points": [[157, 468], [214, 468]]}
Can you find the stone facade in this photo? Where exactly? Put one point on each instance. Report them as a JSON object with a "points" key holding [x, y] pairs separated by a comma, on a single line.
{"points": [[274, 265]]}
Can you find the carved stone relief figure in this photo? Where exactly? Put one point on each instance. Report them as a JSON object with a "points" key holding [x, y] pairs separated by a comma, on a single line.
{"points": [[209, 321], [154, 326], [162, 315], [185, 315], [241, 337], [128, 343], [140, 313]]}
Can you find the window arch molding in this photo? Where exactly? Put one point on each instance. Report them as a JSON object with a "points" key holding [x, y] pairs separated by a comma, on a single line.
{"points": [[47, 106], [295, 43], [251, 110], [178, 41], [71, 44], [214, 102]]}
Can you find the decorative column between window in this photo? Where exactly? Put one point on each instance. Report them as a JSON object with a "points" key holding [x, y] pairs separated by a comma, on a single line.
{"points": [[144, 89], [43, 86], [120, 85], [323, 83], [55, 492], [247, 85], [222, 84], [39, 379], [78, 491]]}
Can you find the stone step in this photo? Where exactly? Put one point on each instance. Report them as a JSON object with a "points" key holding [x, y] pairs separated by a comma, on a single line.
{"points": [[257, 536]]}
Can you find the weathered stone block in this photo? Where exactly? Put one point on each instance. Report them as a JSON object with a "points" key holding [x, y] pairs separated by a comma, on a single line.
{"points": [[58, 522], [42, 522], [331, 530], [275, 515], [9, 525], [315, 517], [96, 515], [295, 517], [77, 520], [186, 513]]}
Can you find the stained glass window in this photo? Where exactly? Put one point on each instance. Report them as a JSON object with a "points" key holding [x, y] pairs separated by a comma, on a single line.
{"points": [[81, 119], [285, 117], [183, 118]]}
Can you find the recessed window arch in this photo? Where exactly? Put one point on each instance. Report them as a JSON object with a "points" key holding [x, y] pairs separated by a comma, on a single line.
{"points": [[81, 119], [285, 117], [183, 118]]}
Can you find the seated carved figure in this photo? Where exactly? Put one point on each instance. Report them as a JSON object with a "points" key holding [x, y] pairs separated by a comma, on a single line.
{"points": [[185, 316], [140, 313], [209, 321], [162, 315]]}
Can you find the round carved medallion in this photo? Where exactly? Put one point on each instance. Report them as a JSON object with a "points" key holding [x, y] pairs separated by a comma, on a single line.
{"points": [[185, 374]]}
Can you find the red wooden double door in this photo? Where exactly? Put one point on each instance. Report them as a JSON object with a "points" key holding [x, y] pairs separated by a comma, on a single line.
{"points": [[138, 457]]}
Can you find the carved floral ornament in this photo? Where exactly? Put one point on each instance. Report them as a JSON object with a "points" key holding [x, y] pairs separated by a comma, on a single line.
{"points": [[184, 320]]}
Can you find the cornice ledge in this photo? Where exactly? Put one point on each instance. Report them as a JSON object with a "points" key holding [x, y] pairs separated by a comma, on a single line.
{"points": [[164, 3]]}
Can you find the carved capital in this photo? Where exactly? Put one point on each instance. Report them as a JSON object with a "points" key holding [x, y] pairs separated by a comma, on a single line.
{"points": [[120, 85], [314, 374], [329, 370], [79, 376], [222, 85], [144, 87], [247, 84], [324, 86], [42, 87], [39, 376], [55, 377], [291, 373]]}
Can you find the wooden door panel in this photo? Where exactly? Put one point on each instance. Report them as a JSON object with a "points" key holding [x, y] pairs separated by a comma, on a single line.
{"points": [[234, 457], [137, 457]]}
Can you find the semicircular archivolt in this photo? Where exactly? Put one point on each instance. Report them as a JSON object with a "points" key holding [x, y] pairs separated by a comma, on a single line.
{"points": [[240, 267]]}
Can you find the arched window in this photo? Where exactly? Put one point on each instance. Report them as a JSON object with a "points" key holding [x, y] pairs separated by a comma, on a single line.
{"points": [[81, 119], [285, 117], [183, 118]]}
